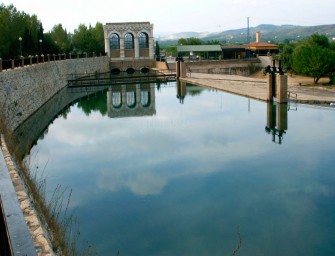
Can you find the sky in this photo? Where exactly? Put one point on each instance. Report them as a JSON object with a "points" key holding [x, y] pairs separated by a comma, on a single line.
{"points": [[173, 16]]}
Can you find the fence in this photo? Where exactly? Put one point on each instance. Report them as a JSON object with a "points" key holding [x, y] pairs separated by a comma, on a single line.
{"points": [[37, 59]]}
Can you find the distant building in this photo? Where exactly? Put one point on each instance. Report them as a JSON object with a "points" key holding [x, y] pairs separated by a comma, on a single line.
{"points": [[261, 48], [192, 52], [129, 41]]}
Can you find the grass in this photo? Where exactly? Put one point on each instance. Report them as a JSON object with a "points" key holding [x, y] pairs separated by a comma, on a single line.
{"points": [[53, 214]]}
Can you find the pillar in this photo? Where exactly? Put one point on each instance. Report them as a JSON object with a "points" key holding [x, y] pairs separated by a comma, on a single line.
{"points": [[122, 52], [271, 116], [282, 116], [177, 69], [42, 57], [30, 60], [137, 48], [13, 64], [269, 89], [282, 88], [182, 70]]}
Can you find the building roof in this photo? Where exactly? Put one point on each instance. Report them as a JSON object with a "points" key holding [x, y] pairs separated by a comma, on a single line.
{"points": [[198, 48], [260, 45]]}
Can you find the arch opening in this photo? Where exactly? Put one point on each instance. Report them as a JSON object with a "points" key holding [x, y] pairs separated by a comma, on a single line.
{"points": [[115, 71], [145, 70], [130, 71]]}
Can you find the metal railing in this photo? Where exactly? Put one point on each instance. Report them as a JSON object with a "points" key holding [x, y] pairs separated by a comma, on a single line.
{"points": [[37, 59], [105, 79]]}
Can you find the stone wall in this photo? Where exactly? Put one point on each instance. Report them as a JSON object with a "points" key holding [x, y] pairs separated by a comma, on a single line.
{"points": [[229, 67], [24, 90]]}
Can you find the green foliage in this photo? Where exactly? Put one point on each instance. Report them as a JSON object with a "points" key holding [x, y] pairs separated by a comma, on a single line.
{"points": [[213, 42], [89, 39], [60, 39], [286, 56], [171, 50], [15, 24], [190, 41], [314, 57]]}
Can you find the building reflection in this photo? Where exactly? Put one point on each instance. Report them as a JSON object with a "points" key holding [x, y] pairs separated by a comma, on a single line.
{"points": [[181, 91], [131, 100], [276, 121]]}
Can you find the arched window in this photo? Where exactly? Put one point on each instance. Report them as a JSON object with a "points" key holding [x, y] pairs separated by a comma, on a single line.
{"points": [[114, 41], [143, 40], [145, 98], [131, 99], [116, 99], [128, 41]]}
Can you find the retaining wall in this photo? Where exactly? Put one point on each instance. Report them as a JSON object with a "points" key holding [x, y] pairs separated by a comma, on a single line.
{"points": [[24, 90], [229, 67]]}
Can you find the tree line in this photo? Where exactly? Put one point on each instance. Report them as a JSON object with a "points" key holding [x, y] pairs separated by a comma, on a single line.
{"points": [[22, 34]]}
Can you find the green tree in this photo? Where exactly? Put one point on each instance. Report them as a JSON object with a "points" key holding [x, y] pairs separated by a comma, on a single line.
{"points": [[89, 39], [14, 25], [190, 41], [314, 57], [286, 56], [157, 50], [60, 39]]}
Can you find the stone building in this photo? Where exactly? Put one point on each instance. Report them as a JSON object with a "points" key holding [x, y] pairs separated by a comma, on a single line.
{"points": [[129, 41]]}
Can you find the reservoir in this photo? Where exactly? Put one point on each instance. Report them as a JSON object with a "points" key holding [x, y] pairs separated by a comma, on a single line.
{"points": [[176, 169]]}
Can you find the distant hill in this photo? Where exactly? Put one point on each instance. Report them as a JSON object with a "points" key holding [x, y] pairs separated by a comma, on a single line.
{"points": [[272, 33]]}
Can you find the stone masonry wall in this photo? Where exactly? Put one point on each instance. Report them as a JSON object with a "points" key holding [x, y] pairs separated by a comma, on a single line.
{"points": [[229, 67], [24, 90]]}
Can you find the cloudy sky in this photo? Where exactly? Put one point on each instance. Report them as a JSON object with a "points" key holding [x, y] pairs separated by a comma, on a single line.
{"points": [[172, 16]]}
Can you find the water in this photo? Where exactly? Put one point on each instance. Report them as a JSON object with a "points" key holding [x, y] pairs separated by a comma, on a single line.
{"points": [[196, 174]]}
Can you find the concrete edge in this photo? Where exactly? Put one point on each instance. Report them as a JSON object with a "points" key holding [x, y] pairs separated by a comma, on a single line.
{"points": [[20, 239]]}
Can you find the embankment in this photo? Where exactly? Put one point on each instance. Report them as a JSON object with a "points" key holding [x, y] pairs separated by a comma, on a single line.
{"points": [[24, 90]]}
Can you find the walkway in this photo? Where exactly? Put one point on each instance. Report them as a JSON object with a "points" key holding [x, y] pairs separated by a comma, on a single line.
{"points": [[255, 87]]}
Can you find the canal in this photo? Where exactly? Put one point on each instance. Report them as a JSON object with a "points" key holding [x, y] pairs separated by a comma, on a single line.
{"points": [[177, 169]]}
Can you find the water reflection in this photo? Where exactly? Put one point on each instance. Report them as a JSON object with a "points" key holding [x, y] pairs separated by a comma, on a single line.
{"points": [[179, 182], [131, 100], [276, 121]]}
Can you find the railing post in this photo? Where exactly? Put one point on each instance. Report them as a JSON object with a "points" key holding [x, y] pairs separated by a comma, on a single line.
{"points": [[13, 64], [22, 61], [77, 55], [37, 59], [42, 58], [54, 55], [70, 55], [30, 60], [0, 65], [48, 57]]}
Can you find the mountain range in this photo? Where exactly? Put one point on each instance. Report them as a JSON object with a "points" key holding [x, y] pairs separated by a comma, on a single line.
{"points": [[269, 33]]}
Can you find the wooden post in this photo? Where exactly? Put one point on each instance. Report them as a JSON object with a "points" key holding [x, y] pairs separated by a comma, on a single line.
{"points": [[13, 64], [30, 60]]}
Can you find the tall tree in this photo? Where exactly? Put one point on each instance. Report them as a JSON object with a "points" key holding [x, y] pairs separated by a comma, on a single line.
{"points": [[314, 57], [60, 38]]}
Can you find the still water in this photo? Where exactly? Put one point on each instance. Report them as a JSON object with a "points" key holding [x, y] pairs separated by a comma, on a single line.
{"points": [[184, 170]]}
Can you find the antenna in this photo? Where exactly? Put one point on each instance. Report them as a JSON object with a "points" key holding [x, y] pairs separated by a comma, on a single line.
{"points": [[248, 32]]}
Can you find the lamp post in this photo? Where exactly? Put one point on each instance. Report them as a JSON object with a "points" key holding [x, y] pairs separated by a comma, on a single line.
{"points": [[20, 39], [40, 45]]}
